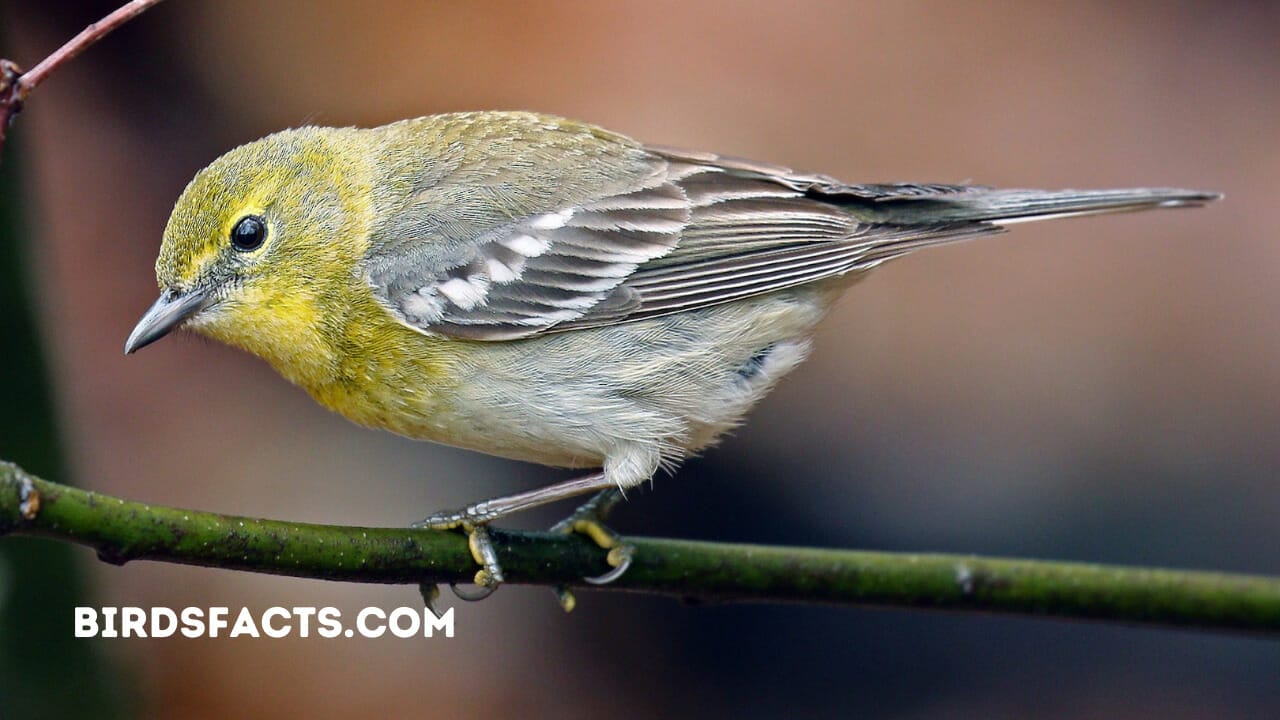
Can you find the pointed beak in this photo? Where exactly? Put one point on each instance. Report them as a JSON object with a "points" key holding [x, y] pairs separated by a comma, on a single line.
{"points": [[167, 313]]}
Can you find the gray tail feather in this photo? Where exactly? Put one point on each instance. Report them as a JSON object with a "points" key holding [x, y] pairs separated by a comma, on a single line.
{"points": [[1003, 207]]}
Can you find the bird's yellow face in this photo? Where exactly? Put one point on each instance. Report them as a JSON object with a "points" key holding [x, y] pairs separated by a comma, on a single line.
{"points": [[261, 247]]}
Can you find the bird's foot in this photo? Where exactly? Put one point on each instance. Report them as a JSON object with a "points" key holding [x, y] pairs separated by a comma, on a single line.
{"points": [[474, 520], [471, 520], [589, 520]]}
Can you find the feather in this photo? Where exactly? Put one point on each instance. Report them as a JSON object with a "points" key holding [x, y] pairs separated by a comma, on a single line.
{"points": [[696, 230]]}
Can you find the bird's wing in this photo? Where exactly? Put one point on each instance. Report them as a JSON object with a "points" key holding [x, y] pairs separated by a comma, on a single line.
{"points": [[698, 232], [701, 230], [526, 275]]}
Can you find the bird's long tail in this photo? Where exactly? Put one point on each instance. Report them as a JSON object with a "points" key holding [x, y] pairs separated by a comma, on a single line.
{"points": [[952, 213], [958, 203]]}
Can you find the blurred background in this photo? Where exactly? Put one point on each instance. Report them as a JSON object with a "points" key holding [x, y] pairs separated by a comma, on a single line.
{"points": [[1100, 389]]}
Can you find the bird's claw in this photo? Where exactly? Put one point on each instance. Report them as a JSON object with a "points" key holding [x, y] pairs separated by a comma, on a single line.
{"points": [[589, 520], [430, 597], [471, 520], [477, 595], [619, 558], [586, 520], [490, 573]]}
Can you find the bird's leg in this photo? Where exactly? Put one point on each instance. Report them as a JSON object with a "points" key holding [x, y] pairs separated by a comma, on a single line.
{"points": [[473, 518], [588, 520]]}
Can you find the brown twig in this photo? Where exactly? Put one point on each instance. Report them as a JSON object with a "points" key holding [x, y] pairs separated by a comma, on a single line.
{"points": [[16, 85]]}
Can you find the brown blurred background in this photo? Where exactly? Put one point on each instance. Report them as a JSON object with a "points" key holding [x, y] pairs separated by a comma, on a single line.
{"points": [[1101, 389]]}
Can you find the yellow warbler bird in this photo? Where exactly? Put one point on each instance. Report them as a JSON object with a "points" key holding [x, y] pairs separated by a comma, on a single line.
{"points": [[542, 289]]}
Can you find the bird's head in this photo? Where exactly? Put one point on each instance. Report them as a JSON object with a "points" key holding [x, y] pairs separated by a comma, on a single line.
{"points": [[261, 241]]}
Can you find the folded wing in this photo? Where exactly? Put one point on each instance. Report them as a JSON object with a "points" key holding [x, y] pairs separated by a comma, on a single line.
{"points": [[704, 230]]}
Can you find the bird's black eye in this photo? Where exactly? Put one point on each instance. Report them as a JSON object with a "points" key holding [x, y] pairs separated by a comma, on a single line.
{"points": [[249, 233]]}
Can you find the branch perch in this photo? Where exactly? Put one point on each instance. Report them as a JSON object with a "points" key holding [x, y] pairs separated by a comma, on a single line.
{"points": [[122, 530]]}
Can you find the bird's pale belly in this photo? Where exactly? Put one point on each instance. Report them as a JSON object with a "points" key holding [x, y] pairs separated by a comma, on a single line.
{"points": [[637, 393]]}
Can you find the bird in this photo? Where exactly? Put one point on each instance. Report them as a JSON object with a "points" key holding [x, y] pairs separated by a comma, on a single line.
{"points": [[543, 289]]}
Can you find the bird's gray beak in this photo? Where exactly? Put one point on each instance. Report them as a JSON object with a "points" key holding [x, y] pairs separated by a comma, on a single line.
{"points": [[167, 313]]}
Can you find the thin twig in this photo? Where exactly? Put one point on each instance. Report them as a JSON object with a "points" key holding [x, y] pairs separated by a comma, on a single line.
{"points": [[16, 85], [121, 531]]}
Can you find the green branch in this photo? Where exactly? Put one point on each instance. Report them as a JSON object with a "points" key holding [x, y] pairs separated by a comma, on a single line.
{"points": [[121, 530]]}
